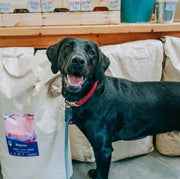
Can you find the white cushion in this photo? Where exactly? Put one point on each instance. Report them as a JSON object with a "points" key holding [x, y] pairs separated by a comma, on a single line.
{"points": [[169, 143]]}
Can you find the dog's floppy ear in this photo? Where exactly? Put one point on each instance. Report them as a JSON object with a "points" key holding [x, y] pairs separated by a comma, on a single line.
{"points": [[53, 53], [103, 64]]}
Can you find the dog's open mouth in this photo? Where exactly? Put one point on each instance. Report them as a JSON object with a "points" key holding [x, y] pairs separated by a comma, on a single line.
{"points": [[75, 82]]}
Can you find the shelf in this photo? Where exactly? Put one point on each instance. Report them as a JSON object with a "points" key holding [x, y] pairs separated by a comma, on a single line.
{"points": [[42, 37], [93, 29]]}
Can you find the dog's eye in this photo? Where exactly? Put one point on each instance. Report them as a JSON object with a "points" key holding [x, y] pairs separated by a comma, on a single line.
{"points": [[91, 52], [67, 49]]}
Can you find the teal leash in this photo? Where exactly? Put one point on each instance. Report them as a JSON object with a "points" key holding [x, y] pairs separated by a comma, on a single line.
{"points": [[68, 117]]}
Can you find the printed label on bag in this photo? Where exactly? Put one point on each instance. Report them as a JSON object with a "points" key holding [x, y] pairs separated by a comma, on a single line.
{"points": [[20, 135], [171, 5], [86, 5], [75, 5], [114, 4], [5, 6], [34, 5], [47, 5]]}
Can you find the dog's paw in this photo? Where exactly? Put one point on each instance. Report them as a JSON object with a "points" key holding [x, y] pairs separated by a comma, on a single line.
{"points": [[92, 173]]}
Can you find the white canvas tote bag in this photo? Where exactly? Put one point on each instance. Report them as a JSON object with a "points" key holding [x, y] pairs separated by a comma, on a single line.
{"points": [[31, 121]]}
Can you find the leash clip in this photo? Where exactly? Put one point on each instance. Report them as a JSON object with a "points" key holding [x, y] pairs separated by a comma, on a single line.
{"points": [[67, 105], [73, 104], [68, 113]]}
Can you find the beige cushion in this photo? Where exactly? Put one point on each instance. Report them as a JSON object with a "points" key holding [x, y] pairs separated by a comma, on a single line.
{"points": [[171, 71], [138, 61], [169, 143]]}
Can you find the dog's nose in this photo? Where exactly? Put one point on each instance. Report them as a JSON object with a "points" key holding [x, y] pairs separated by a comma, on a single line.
{"points": [[78, 61]]}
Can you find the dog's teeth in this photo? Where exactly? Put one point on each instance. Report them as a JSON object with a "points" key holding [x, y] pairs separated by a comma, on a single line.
{"points": [[75, 81], [69, 81]]}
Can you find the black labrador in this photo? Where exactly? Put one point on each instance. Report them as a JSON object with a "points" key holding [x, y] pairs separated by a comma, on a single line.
{"points": [[108, 109]]}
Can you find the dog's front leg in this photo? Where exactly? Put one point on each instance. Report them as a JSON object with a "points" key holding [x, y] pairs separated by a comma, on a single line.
{"points": [[103, 159]]}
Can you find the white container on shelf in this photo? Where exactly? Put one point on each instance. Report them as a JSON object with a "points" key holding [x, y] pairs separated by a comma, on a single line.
{"points": [[165, 10]]}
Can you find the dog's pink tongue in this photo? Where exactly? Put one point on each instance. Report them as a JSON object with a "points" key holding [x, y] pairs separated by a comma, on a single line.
{"points": [[75, 81]]}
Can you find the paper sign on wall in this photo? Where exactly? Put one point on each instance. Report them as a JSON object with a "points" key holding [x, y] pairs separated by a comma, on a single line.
{"points": [[75, 5], [171, 5], [34, 5], [47, 5], [5, 6], [86, 5], [114, 4]]}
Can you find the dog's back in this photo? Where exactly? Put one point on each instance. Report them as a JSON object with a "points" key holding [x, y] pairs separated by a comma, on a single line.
{"points": [[146, 108]]}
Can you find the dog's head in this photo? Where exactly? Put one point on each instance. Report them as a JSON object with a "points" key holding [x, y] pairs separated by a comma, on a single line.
{"points": [[77, 60]]}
